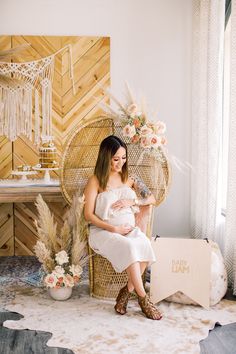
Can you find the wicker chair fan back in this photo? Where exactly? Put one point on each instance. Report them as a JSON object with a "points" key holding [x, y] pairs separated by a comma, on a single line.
{"points": [[80, 155]]}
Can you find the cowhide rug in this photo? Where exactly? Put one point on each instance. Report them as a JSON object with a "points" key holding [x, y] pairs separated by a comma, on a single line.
{"points": [[90, 326]]}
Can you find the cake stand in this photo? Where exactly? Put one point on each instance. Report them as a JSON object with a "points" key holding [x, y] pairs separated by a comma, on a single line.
{"points": [[46, 178], [23, 175]]}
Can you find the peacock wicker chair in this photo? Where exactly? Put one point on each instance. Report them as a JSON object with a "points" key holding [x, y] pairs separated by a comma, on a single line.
{"points": [[78, 162]]}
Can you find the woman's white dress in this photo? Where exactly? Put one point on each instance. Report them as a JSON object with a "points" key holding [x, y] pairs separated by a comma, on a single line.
{"points": [[120, 250]]}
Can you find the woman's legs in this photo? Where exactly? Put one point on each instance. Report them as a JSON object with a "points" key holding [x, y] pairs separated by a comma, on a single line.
{"points": [[142, 267], [135, 272], [135, 281], [122, 300]]}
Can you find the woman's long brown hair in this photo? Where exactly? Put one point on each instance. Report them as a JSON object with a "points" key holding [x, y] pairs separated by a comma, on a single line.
{"points": [[107, 150]]}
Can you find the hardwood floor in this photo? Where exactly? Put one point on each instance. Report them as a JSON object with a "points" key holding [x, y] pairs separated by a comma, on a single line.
{"points": [[25, 341], [221, 340]]}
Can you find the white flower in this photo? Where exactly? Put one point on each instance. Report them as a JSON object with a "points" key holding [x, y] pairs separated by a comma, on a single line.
{"points": [[50, 281], [160, 127], [129, 131], [145, 131], [62, 257], [59, 270], [163, 140], [76, 269]]}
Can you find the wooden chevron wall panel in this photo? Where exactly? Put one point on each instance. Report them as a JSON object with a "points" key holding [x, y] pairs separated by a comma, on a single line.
{"points": [[6, 230], [6, 157], [91, 70], [24, 228]]}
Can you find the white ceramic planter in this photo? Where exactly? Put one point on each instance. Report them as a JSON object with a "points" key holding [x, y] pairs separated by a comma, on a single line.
{"points": [[60, 293]]}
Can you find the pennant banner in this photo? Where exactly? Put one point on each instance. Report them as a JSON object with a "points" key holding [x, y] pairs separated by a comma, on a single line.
{"points": [[182, 265]]}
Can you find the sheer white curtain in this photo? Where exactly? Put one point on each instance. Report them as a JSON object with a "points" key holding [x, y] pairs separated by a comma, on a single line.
{"points": [[230, 229], [207, 85]]}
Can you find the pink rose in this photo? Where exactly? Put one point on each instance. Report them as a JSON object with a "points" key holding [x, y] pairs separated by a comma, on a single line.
{"points": [[60, 279], [129, 131], [50, 281], [135, 139], [145, 142], [155, 140], [69, 281], [145, 131]]}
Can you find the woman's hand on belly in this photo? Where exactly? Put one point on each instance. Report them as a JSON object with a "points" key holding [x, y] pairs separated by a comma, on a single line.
{"points": [[123, 229], [122, 203]]}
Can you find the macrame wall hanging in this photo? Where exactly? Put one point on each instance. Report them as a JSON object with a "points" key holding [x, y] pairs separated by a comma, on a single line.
{"points": [[31, 92]]}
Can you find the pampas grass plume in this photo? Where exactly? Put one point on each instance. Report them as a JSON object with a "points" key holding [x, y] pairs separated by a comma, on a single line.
{"points": [[44, 256], [46, 227]]}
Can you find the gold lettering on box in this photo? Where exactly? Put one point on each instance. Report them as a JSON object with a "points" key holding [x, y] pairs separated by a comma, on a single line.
{"points": [[180, 266]]}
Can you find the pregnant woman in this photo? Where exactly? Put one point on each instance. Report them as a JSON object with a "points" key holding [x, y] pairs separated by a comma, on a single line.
{"points": [[110, 205]]}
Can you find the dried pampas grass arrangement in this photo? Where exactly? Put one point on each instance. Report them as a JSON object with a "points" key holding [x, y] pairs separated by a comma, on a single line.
{"points": [[72, 237]]}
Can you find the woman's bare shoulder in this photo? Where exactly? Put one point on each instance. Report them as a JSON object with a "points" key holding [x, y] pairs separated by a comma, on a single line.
{"points": [[93, 182]]}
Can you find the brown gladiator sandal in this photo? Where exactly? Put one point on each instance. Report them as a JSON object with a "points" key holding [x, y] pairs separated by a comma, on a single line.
{"points": [[122, 300], [148, 308]]}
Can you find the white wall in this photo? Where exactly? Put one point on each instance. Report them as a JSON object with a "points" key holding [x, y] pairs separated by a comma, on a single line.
{"points": [[150, 48]]}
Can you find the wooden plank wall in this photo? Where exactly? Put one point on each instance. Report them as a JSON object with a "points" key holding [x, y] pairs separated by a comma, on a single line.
{"points": [[91, 64], [25, 235], [6, 230]]}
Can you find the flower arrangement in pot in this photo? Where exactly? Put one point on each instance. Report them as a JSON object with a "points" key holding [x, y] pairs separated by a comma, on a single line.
{"points": [[62, 254]]}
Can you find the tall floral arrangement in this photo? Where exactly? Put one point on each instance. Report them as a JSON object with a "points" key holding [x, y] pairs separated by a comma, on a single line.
{"points": [[62, 254], [136, 126]]}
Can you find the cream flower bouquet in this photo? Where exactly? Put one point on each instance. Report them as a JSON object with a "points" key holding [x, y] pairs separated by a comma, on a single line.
{"points": [[62, 254], [135, 123]]}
